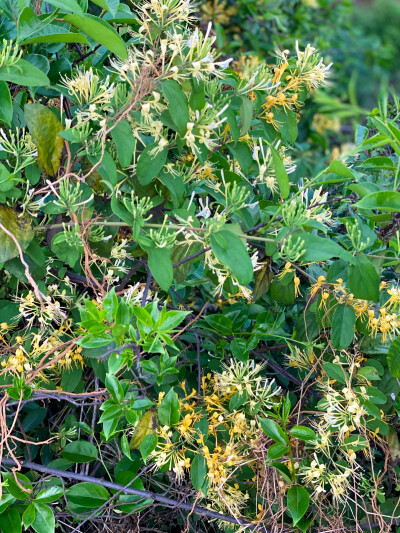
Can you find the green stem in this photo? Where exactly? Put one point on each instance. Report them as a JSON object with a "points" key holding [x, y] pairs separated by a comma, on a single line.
{"points": [[294, 475], [147, 225]]}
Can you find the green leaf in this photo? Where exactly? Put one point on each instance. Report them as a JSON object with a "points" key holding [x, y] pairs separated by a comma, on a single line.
{"points": [[80, 451], [66, 252], [110, 305], [198, 471], [87, 495], [303, 433], [320, 249], [393, 358], [287, 123], [234, 130], [29, 515], [49, 495], [44, 126], [6, 501], [231, 252], [337, 372], [343, 322], [378, 163], [113, 6], [340, 168], [170, 320], [241, 152], [25, 74], [149, 166], [15, 489], [197, 98], [6, 108], [10, 521], [125, 141], [273, 430], [44, 520], [298, 501], [107, 167], [29, 23], [246, 115], [143, 316], [114, 388], [148, 445], [355, 443], [277, 450], [283, 470], [370, 373], [283, 292], [178, 104], [55, 34], [169, 410], [280, 173], [364, 280], [383, 200], [67, 5], [160, 266], [100, 31]]}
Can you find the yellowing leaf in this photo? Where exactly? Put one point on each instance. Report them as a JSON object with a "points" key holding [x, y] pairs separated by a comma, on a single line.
{"points": [[19, 227], [44, 127], [144, 427]]}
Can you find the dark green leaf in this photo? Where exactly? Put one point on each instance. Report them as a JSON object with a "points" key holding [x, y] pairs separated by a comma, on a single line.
{"points": [[337, 372], [10, 521], [15, 489], [343, 322], [149, 166], [277, 450], [233, 255], [125, 141], [393, 358], [320, 249], [80, 451], [148, 445], [273, 430], [160, 266], [87, 495], [177, 101], [6, 108], [364, 280], [198, 471], [114, 388]]}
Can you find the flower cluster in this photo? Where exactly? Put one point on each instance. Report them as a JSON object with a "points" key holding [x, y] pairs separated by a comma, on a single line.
{"points": [[227, 445]]}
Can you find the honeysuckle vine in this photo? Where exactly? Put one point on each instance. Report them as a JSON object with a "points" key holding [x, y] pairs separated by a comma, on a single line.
{"points": [[190, 315]]}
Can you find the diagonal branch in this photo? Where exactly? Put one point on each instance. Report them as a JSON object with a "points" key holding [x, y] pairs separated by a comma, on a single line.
{"points": [[158, 498]]}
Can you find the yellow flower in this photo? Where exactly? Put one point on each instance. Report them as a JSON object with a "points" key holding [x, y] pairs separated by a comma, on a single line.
{"points": [[287, 269], [296, 286], [317, 286]]}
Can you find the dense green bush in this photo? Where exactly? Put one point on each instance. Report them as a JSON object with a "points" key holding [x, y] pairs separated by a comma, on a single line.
{"points": [[199, 319]]}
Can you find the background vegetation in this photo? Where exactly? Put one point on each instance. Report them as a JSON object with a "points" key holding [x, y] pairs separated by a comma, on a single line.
{"points": [[199, 251]]}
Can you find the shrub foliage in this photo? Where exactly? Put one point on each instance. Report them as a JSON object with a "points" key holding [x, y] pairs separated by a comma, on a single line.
{"points": [[197, 334]]}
